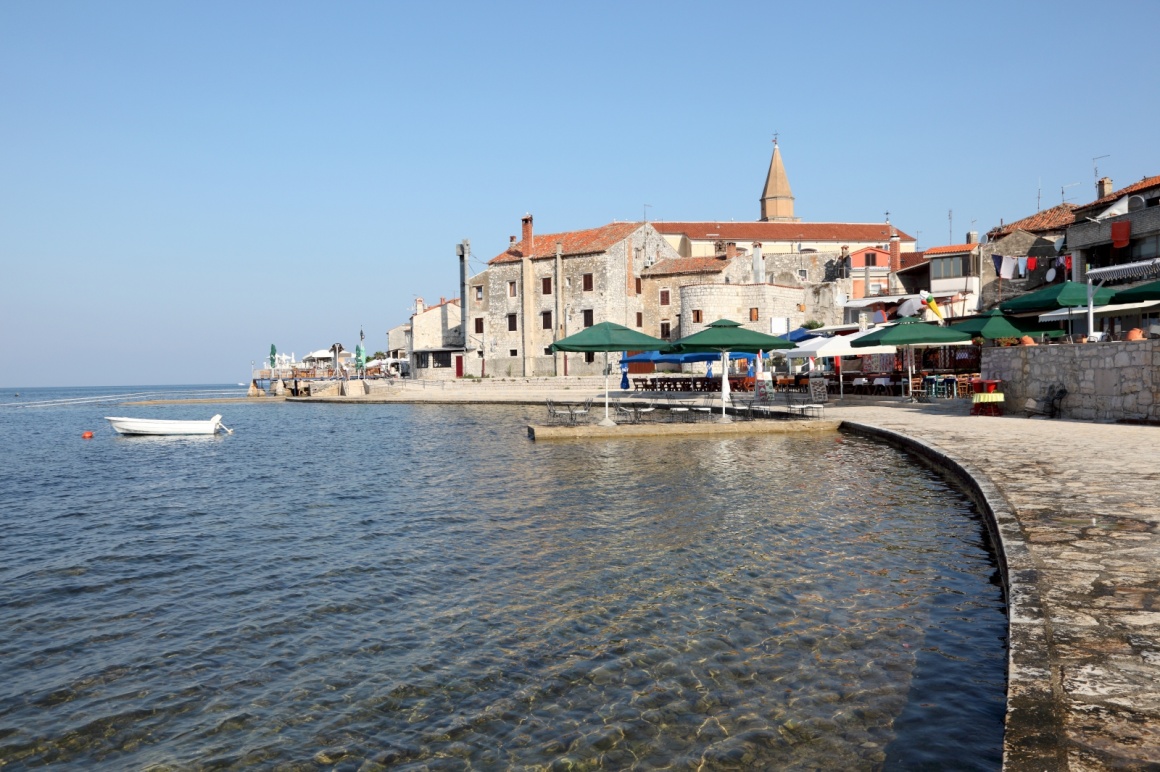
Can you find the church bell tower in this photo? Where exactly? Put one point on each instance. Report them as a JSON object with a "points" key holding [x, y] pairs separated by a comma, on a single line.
{"points": [[777, 200]]}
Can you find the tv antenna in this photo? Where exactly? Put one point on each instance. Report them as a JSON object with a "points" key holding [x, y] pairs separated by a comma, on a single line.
{"points": [[646, 208], [1063, 192], [950, 225], [1096, 169]]}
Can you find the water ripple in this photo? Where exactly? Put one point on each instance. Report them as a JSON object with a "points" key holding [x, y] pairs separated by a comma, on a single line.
{"points": [[420, 587]]}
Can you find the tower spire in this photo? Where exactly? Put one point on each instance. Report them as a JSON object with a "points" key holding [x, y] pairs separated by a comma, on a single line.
{"points": [[777, 199]]}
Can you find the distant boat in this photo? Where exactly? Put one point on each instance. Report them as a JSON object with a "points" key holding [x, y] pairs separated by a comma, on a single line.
{"points": [[153, 426]]}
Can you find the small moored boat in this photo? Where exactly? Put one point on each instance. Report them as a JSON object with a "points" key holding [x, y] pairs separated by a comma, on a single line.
{"points": [[123, 425]]}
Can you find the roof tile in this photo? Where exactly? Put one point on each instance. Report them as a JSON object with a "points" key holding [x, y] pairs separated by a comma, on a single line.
{"points": [[782, 231], [686, 265], [1144, 184], [585, 242], [951, 249], [1055, 218]]}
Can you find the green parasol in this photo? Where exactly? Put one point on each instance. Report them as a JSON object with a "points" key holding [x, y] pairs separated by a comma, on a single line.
{"points": [[913, 332], [725, 335], [1068, 294], [992, 325], [273, 356], [609, 336]]}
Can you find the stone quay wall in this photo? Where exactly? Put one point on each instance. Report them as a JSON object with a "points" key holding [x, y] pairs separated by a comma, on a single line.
{"points": [[1109, 381]]}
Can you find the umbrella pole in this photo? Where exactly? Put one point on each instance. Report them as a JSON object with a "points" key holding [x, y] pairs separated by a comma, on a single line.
{"points": [[724, 419], [607, 421]]}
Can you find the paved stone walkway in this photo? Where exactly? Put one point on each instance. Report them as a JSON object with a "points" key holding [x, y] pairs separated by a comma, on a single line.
{"points": [[1077, 506]]}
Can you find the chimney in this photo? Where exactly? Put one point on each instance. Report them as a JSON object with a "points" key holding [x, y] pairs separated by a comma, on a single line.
{"points": [[758, 264], [527, 221], [731, 250], [972, 237], [1104, 187], [895, 252], [511, 243], [419, 306]]}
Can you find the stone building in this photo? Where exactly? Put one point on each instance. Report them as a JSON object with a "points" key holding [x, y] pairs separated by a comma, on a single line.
{"points": [[1121, 226], [436, 349], [546, 287]]}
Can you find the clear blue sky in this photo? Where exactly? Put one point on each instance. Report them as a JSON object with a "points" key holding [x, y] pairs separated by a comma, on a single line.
{"points": [[183, 184]]}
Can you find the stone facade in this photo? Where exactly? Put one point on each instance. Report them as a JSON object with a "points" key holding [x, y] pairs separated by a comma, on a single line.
{"points": [[1016, 244], [757, 306], [436, 339], [519, 320], [1105, 381]]}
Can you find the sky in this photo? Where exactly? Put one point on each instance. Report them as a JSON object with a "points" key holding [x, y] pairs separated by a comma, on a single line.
{"points": [[184, 183]]}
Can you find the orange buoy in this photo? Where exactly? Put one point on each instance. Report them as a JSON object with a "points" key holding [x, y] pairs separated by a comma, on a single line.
{"points": [[87, 436]]}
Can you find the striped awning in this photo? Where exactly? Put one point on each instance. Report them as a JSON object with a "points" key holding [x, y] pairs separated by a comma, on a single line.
{"points": [[1126, 271]]}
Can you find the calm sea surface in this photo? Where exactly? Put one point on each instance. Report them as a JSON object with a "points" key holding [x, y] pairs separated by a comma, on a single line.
{"points": [[422, 587]]}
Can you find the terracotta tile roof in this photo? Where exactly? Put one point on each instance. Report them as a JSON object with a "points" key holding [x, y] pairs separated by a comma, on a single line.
{"points": [[1144, 184], [912, 258], [781, 231], [1055, 218], [951, 249], [586, 242], [686, 265]]}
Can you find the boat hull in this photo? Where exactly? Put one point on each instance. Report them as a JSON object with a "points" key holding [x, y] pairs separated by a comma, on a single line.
{"points": [[158, 427]]}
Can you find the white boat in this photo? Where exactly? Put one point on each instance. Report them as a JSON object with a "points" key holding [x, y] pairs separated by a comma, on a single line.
{"points": [[122, 425]]}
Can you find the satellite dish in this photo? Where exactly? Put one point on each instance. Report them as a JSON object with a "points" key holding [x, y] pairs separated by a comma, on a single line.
{"points": [[1050, 275], [1136, 203]]}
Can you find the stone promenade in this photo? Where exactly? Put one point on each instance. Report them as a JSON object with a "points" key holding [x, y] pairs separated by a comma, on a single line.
{"points": [[1077, 507]]}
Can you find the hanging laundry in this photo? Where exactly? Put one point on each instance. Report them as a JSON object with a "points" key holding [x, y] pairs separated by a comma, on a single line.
{"points": [[1023, 267], [1031, 262], [1008, 269], [1067, 262], [998, 263], [1059, 262]]}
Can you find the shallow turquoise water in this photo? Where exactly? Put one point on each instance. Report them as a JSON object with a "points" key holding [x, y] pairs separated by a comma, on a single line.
{"points": [[421, 587]]}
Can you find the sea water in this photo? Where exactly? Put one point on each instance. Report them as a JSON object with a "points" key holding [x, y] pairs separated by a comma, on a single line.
{"points": [[422, 587]]}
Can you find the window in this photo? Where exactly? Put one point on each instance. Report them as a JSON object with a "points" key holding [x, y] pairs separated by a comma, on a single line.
{"points": [[697, 316], [638, 285], [513, 352], [511, 323], [587, 317], [511, 289], [1146, 248], [871, 259], [639, 319], [478, 293], [479, 325], [547, 285], [664, 297], [665, 330], [441, 359], [589, 356], [546, 319], [547, 350], [587, 282], [753, 315], [803, 274], [421, 360], [947, 267]]}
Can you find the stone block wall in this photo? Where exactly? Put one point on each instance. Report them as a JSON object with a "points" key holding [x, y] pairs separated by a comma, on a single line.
{"points": [[1105, 381]]}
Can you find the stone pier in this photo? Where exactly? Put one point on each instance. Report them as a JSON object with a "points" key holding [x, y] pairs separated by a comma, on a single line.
{"points": [[1075, 508]]}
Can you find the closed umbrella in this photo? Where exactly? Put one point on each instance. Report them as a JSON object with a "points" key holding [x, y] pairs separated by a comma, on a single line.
{"points": [[273, 356], [911, 332], [609, 336], [723, 336]]}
